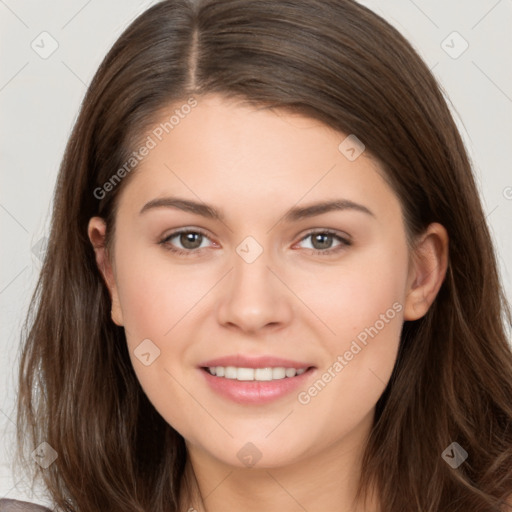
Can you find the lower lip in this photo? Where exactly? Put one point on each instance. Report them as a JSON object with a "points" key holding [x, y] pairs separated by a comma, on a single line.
{"points": [[255, 392]]}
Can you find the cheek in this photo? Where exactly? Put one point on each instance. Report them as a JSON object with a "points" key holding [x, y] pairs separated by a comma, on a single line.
{"points": [[155, 298], [142, 305], [352, 297], [155, 294], [362, 305]]}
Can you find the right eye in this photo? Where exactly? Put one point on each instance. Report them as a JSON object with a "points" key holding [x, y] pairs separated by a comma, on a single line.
{"points": [[190, 240]]}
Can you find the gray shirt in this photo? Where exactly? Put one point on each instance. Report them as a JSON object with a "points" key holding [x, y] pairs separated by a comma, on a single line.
{"points": [[20, 506]]}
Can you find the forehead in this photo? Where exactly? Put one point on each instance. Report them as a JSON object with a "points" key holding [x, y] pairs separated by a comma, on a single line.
{"points": [[243, 156]]}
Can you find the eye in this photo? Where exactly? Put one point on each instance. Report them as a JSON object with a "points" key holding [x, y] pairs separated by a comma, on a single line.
{"points": [[322, 242], [191, 241]]}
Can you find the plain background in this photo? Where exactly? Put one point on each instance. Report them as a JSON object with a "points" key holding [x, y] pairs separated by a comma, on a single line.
{"points": [[40, 98]]}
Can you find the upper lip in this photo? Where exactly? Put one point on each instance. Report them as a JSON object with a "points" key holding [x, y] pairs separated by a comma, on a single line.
{"points": [[241, 361]]}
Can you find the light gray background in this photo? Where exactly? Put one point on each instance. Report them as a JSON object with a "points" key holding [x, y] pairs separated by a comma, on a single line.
{"points": [[40, 97]]}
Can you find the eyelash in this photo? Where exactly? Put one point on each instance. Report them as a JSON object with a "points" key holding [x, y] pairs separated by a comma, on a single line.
{"points": [[191, 252]]}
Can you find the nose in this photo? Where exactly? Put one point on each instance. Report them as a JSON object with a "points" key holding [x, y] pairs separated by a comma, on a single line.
{"points": [[252, 298]]}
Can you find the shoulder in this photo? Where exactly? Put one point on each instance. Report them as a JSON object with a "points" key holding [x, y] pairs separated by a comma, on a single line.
{"points": [[20, 506]]}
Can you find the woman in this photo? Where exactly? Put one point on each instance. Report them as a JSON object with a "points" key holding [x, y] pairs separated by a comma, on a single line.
{"points": [[269, 283]]}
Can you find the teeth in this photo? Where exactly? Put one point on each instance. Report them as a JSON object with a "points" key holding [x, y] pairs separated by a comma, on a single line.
{"points": [[261, 374]]}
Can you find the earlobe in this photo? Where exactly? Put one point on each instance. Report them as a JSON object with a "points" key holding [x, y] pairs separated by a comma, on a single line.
{"points": [[96, 231], [427, 271]]}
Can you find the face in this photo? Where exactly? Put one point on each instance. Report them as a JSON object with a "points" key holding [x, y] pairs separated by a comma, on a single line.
{"points": [[223, 257]]}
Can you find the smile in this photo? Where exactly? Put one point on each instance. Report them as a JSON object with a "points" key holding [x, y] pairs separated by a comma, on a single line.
{"points": [[259, 374]]}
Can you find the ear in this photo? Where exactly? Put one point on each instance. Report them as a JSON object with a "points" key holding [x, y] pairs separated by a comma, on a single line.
{"points": [[427, 269], [96, 230]]}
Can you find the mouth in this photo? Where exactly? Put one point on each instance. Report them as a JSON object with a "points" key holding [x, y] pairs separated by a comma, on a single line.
{"points": [[256, 386], [266, 374]]}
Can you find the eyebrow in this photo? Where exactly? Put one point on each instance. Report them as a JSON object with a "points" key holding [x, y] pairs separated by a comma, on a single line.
{"points": [[293, 214]]}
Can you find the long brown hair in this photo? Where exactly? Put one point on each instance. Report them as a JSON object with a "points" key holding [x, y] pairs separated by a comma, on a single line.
{"points": [[335, 61]]}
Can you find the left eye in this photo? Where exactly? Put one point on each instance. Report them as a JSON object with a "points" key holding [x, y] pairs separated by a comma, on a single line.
{"points": [[322, 241]]}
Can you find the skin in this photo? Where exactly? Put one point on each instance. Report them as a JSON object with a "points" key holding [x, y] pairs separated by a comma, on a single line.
{"points": [[253, 165]]}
